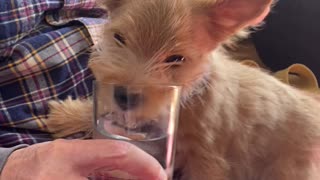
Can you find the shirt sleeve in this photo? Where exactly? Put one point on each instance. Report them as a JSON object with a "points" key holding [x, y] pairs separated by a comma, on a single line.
{"points": [[19, 17], [6, 152]]}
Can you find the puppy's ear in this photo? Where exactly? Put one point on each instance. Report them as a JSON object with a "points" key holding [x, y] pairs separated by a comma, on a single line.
{"points": [[226, 17]]}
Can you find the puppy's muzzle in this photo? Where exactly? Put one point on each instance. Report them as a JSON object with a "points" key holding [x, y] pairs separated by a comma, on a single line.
{"points": [[126, 100]]}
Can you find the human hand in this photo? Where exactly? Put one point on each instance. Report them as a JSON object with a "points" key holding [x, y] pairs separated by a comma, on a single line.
{"points": [[77, 159]]}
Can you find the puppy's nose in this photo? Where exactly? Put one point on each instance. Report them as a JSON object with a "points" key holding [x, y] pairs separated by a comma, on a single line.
{"points": [[124, 99]]}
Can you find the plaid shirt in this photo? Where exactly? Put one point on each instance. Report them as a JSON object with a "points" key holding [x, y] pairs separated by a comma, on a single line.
{"points": [[44, 50]]}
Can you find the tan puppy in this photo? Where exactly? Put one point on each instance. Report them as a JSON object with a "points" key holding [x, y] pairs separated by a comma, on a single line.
{"points": [[236, 123]]}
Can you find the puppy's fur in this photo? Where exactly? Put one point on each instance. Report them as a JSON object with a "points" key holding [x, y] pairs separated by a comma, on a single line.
{"points": [[236, 122]]}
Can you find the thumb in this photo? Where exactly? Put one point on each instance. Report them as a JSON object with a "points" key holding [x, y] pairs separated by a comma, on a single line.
{"points": [[90, 155]]}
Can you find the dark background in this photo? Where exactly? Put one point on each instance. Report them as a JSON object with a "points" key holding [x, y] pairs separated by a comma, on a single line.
{"points": [[291, 35]]}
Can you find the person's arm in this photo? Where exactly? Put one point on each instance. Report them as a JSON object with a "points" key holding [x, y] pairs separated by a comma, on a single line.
{"points": [[6, 152]]}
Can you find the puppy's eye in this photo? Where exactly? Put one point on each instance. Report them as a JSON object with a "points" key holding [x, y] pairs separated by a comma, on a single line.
{"points": [[119, 39], [175, 59]]}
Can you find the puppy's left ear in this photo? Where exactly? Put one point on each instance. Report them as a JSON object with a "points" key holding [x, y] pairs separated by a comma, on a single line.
{"points": [[229, 16]]}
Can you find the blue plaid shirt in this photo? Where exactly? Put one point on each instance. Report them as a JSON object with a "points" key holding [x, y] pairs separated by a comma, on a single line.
{"points": [[44, 51]]}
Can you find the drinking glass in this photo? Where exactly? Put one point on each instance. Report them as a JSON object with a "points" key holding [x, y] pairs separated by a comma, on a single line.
{"points": [[145, 115]]}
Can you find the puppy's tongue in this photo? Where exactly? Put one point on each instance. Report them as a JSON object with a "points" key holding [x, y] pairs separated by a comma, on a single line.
{"points": [[124, 125], [113, 127]]}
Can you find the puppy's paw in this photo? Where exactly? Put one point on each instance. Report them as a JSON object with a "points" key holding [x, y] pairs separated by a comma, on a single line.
{"points": [[69, 117]]}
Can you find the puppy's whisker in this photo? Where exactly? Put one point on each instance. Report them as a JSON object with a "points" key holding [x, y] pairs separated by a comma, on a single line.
{"points": [[157, 68]]}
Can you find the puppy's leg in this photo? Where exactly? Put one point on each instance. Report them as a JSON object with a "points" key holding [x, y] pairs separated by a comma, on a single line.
{"points": [[70, 117]]}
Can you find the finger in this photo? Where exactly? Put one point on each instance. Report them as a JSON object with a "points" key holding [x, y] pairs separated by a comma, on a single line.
{"points": [[115, 155]]}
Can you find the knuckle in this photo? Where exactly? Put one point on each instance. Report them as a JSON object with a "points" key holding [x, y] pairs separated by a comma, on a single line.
{"points": [[123, 148], [41, 175], [59, 146], [59, 143]]}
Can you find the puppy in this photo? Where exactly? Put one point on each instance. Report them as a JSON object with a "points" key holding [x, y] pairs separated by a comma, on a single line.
{"points": [[236, 122]]}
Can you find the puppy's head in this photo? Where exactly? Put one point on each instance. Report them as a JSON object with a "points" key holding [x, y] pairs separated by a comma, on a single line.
{"points": [[168, 41]]}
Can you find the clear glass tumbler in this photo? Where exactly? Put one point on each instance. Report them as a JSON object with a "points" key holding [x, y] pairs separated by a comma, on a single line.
{"points": [[145, 115]]}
